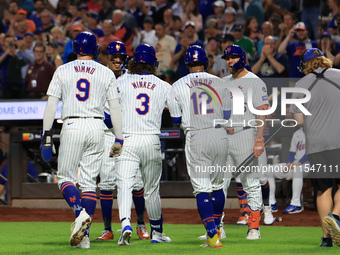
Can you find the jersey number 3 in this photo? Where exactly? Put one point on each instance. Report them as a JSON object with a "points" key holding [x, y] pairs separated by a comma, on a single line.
{"points": [[83, 85], [145, 103]]}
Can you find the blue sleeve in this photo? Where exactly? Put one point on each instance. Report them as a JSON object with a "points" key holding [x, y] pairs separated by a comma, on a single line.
{"points": [[303, 159], [107, 120], [291, 157], [177, 120], [178, 48], [4, 173], [331, 24], [290, 48]]}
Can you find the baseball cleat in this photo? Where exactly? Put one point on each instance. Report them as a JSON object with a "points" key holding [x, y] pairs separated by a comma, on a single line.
{"points": [[125, 236], [213, 242], [158, 237], [268, 216], [326, 242], [243, 220], [203, 237], [106, 235], [253, 234], [291, 209], [274, 208], [78, 227], [333, 226], [84, 244], [142, 232], [220, 232]]}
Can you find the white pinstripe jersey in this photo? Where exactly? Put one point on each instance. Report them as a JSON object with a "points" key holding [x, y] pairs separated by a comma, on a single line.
{"points": [[259, 96], [83, 86], [142, 100], [106, 106], [187, 95]]}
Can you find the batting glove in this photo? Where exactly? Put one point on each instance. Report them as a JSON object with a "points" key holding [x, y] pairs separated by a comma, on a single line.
{"points": [[47, 147], [117, 148], [259, 146]]}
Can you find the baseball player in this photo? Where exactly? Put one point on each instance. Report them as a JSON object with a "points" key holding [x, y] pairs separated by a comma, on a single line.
{"points": [[205, 145], [116, 52], [245, 140], [294, 169], [143, 97], [84, 86], [322, 136]]}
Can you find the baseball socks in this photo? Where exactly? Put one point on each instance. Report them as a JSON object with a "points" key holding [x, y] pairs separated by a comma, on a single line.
{"points": [[206, 211], [254, 219], [71, 195], [89, 202], [265, 194], [242, 199], [138, 200], [157, 225], [218, 200], [106, 202]]}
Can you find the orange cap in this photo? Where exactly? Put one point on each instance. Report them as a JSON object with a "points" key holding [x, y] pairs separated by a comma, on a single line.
{"points": [[22, 11]]}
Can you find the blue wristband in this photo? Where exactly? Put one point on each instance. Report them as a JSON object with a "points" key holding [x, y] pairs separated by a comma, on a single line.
{"points": [[121, 141]]}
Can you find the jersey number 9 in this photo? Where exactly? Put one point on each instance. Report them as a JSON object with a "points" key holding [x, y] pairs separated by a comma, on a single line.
{"points": [[83, 85]]}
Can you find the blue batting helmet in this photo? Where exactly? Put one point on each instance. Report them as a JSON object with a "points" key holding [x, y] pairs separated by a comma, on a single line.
{"points": [[308, 55], [195, 54], [235, 50], [85, 44], [144, 53], [116, 47]]}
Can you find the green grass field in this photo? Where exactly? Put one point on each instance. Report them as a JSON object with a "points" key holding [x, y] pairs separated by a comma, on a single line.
{"points": [[50, 238]]}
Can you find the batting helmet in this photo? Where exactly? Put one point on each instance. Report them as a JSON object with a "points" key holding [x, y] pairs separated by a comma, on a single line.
{"points": [[116, 47], [196, 54], [308, 55], [144, 53], [85, 44], [235, 50]]}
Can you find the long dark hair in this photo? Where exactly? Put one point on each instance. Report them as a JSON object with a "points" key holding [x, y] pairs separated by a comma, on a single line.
{"points": [[247, 30], [137, 68]]}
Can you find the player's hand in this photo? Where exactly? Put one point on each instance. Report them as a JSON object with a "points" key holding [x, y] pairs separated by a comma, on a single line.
{"points": [[116, 148], [47, 147], [258, 146]]}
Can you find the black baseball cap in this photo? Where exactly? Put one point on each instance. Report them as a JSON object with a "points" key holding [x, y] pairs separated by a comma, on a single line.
{"points": [[237, 27]]}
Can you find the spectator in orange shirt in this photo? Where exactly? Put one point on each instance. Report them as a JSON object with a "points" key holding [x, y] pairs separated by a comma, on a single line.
{"points": [[22, 15]]}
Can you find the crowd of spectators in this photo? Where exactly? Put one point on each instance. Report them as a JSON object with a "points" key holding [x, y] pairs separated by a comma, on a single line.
{"points": [[36, 35]]}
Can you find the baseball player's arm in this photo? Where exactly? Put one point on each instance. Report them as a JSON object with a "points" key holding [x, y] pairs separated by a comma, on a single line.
{"points": [[116, 119], [47, 147], [50, 110], [261, 126]]}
